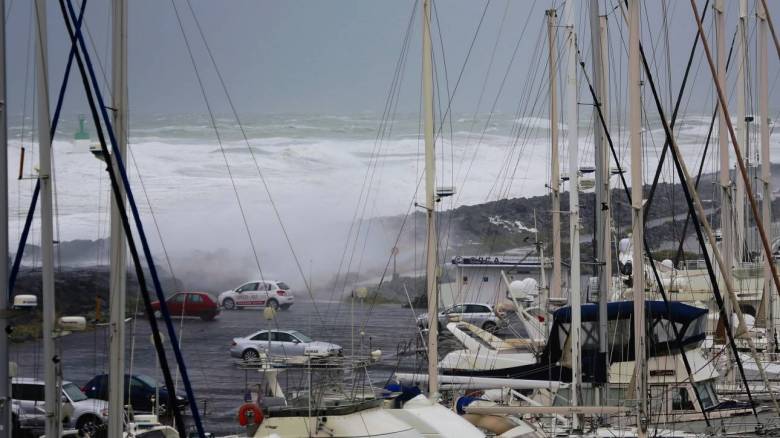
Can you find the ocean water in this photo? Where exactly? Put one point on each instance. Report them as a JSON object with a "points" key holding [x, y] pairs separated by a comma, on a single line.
{"points": [[322, 172]]}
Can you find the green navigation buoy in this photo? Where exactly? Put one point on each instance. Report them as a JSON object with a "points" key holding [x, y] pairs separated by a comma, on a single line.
{"points": [[82, 133]]}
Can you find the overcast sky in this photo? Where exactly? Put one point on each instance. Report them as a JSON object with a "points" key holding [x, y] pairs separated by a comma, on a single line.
{"points": [[333, 56]]}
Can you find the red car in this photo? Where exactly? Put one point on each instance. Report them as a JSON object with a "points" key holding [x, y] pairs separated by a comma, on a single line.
{"points": [[199, 304]]}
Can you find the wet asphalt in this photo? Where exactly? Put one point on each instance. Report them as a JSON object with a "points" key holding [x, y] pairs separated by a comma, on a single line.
{"points": [[218, 383]]}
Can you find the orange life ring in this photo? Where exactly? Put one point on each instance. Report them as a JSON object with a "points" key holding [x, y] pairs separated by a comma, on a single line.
{"points": [[250, 412]]}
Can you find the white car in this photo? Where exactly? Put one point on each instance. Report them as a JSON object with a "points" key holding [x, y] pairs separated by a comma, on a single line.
{"points": [[79, 412], [274, 294], [284, 343]]}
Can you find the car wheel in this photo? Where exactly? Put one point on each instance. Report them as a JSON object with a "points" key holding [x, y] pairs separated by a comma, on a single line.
{"points": [[489, 326], [88, 424], [272, 304], [250, 354], [228, 304], [285, 306], [207, 316]]}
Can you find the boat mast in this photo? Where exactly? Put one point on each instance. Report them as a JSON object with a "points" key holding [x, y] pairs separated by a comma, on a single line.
{"points": [[555, 171], [742, 66], [51, 394], [602, 195], [637, 201], [5, 381], [574, 207], [727, 235], [766, 178], [118, 250], [430, 206]]}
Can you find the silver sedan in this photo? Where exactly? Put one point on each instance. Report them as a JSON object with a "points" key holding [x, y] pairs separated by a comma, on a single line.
{"points": [[481, 315], [283, 343]]}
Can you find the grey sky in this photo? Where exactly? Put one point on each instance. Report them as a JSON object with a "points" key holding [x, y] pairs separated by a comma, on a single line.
{"points": [[325, 56]]}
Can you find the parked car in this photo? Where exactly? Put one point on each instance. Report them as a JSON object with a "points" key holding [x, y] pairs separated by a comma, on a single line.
{"points": [[275, 294], [283, 343], [197, 304], [481, 315], [79, 411], [141, 396]]}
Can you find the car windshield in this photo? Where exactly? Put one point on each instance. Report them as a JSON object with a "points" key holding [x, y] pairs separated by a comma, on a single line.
{"points": [[73, 392], [146, 380], [301, 336], [282, 285]]}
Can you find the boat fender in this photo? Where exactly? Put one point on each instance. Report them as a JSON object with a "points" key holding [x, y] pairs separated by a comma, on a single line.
{"points": [[250, 412], [462, 402]]}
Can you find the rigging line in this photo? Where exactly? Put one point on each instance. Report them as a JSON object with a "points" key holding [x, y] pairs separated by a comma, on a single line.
{"points": [[387, 133], [24, 108], [689, 199], [219, 140], [528, 130], [484, 82], [251, 152], [680, 94], [118, 165], [646, 245], [518, 127], [495, 101], [679, 253], [387, 113], [465, 62], [106, 82], [52, 131], [152, 214]]}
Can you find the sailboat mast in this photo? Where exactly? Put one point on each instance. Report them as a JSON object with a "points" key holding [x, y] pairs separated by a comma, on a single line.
{"points": [[5, 381], [766, 178], [118, 272], [637, 204], [574, 204], [602, 192], [742, 66], [430, 205], [51, 394], [555, 171], [727, 235]]}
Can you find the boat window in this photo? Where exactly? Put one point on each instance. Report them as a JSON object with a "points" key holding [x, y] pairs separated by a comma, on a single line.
{"points": [[706, 394], [696, 327], [662, 331], [681, 400], [73, 392], [620, 332], [262, 336], [590, 340]]}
